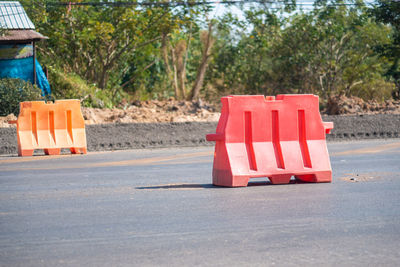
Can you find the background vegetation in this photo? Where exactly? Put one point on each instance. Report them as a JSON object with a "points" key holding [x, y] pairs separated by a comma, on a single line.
{"points": [[14, 91], [104, 53]]}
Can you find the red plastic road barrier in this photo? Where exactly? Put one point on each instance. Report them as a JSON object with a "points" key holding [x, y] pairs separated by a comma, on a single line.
{"points": [[50, 126], [270, 137]]}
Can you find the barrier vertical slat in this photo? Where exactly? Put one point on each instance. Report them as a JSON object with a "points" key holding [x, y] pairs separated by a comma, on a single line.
{"points": [[34, 127], [303, 139], [69, 126], [51, 126], [276, 140], [248, 136]]}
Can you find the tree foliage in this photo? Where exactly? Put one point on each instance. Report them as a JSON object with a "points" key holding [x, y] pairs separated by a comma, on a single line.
{"points": [[328, 50], [188, 53], [388, 12]]}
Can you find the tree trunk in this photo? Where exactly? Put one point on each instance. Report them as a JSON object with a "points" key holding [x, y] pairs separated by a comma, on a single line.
{"points": [[170, 74], [102, 83], [181, 77], [182, 74], [175, 74], [198, 84]]}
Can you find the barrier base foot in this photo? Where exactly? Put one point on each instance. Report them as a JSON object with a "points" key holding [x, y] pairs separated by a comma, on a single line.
{"points": [[240, 181], [25, 152], [78, 150], [318, 177], [225, 178], [280, 179], [235, 182], [52, 151]]}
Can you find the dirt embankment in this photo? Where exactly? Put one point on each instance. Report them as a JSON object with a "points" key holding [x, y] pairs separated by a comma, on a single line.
{"points": [[185, 111], [145, 112], [342, 105]]}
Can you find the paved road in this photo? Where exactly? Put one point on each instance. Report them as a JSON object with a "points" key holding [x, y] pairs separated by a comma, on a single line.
{"points": [[158, 207]]}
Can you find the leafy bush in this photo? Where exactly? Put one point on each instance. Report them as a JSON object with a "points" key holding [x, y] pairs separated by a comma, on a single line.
{"points": [[13, 91], [72, 86], [376, 89]]}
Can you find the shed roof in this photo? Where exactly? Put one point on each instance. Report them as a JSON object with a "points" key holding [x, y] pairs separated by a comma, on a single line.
{"points": [[20, 36], [14, 17]]}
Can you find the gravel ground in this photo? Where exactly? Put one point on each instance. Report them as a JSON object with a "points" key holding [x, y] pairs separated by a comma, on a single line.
{"points": [[364, 126], [107, 137]]}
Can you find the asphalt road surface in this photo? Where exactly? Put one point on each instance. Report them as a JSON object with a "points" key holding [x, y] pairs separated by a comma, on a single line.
{"points": [[158, 207]]}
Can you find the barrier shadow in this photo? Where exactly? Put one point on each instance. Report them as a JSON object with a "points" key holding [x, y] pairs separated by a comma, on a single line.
{"points": [[265, 182], [268, 183], [178, 187]]}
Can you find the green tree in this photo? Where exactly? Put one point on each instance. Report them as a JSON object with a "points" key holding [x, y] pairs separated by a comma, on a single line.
{"points": [[163, 51], [243, 63], [117, 47], [388, 12], [328, 50], [2, 32], [95, 42]]}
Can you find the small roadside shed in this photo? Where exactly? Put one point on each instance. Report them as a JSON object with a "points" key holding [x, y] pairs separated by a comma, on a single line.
{"points": [[18, 46]]}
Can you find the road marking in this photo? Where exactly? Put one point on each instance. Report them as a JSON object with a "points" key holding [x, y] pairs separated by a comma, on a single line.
{"points": [[17, 159], [146, 161], [166, 160], [34, 158], [368, 150]]}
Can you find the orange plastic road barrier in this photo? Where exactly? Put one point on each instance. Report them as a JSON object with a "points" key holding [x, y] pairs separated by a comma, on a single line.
{"points": [[50, 126], [270, 137]]}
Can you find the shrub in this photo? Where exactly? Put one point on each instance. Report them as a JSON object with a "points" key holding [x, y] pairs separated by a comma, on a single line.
{"points": [[71, 86], [13, 91], [376, 89]]}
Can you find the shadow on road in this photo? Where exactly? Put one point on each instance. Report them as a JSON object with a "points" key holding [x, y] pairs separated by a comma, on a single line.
{"points": [[204, 186], [178, 187]]}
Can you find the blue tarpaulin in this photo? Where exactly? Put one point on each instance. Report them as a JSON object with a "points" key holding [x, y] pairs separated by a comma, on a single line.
{"points": [[16, 61], [23, 69]]}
